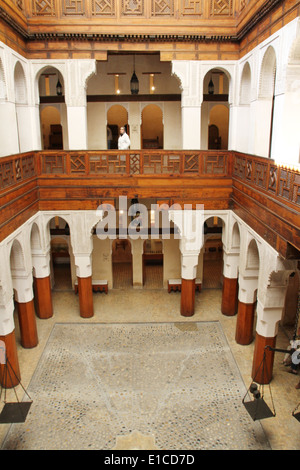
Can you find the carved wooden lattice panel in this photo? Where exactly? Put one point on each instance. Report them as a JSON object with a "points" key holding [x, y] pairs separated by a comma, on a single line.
{"points": [[6, 174], [107, 164], [43, 7], [191, 8], [215, 165], [248, 170], [162, 8], [53, 164], [73, 7], [132, 7], [161, 164], [191, 163], [285, 183], [28, 169], [221, 8], [134, 160], [77, 164], [296, 190], [18, 170], [103, 7], [239, 167], [243, 3], [272, 178], [260, 174], [19, 4]]}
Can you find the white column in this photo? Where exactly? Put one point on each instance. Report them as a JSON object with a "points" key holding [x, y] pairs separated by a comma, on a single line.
{"points": [[78, 72], [77, 127], [134, 121], [7, 324], [191, 127], [8, 129]]}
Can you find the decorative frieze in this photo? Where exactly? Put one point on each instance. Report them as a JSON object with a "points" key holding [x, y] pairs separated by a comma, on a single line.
{"points": [[43, 8], [221, 8]]}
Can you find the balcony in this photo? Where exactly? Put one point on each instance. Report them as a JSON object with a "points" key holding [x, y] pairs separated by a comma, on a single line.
{"points": [[263, 194]]}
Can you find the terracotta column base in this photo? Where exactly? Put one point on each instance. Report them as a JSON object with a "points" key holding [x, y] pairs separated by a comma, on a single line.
{"points": [[244, 324], [27, 321], [85, 291], [187, 297], [11, 376], [43, 297], [262, 372], [229, 296]]}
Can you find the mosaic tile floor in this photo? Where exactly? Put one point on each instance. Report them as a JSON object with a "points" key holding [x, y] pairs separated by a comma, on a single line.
{"points": [[140, 386]]}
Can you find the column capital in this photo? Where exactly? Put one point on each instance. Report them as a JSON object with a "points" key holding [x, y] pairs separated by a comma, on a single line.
{"points": [[83, 263], [41, 264], [189, 263], [23, 288], [7, 324], [267, 319]]}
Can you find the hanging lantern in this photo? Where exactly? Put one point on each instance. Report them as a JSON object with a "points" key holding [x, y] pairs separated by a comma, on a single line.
{"points": [[211, 87], [58, 88], [134, 82]]}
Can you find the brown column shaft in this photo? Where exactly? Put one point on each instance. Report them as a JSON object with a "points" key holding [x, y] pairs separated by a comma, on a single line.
{"points": [[27, 322], [187, 297], [244, 324], [10, 372], [262, 371], [85, 292], [43, 297], [229, 296]]}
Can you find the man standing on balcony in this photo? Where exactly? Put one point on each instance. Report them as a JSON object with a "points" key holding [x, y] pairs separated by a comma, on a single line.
{"points": [[124, 141]]}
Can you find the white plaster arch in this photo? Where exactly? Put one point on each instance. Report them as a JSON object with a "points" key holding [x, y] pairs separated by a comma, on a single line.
{"points": [[3, 91], [35, 237], [110, 105], [253, 256], [227, 70], [17, 257], [235, 236], [39, 68], [245, 84], [20, 85], [267, 73]]}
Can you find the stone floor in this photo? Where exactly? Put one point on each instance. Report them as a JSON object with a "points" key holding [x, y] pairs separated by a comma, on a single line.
{"points": [[174, 383], [145, 306]]}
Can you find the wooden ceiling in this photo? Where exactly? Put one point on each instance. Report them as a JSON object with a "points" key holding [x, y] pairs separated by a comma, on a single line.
{"points": [[178, 29]]}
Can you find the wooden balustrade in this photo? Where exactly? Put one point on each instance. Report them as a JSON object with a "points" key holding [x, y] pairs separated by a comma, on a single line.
{"points": [[135, 162], [266, 196]]}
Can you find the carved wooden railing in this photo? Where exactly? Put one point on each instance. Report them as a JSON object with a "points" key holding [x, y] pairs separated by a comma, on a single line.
{"points": [[279, 181], [16, 169], [135, 162], [258, 172]]}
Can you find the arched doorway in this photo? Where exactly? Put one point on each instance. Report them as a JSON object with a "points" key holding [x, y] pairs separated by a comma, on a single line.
{"points": [[218, 127], [122, 264], [152, 128], [153, 264], [21, 110], [215, 110], [51, 128], [117, 116], [212, 254], [61, 255], [53, 116]]}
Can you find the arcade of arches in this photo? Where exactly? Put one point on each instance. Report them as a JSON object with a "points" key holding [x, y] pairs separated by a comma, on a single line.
{"points": [[219, 135]]}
